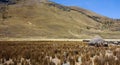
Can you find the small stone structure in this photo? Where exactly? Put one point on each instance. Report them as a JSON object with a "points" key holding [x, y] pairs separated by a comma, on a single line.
{"points": [[98, 41]]}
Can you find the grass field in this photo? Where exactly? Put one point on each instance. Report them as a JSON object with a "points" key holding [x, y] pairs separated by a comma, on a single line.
{"points": [[45, 53]]}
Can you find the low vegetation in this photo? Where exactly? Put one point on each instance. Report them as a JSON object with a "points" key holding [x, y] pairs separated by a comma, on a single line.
{"points": [[57, 53]]}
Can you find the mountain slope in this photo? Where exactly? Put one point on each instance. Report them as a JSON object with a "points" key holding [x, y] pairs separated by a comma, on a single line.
{"points": [[107, 23], [44, 19]]}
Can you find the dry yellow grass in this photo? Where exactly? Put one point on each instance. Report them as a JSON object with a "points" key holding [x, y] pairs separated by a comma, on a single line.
{"points": [[40, 52], [41, 20]]}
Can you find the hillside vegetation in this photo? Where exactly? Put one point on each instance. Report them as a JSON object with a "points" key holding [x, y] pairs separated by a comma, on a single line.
{"points": [[45, 19]]}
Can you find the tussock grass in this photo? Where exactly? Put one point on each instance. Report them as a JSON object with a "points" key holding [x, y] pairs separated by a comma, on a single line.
{"points": [[40, 53]]}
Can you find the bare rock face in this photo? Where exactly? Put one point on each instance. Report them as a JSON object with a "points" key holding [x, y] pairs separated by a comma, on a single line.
{"points": [[4, 0], [16, 1], [9, 1]]}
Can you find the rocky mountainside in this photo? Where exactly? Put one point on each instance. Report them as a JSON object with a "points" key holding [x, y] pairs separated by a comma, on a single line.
{"points": [[45, 19]]}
